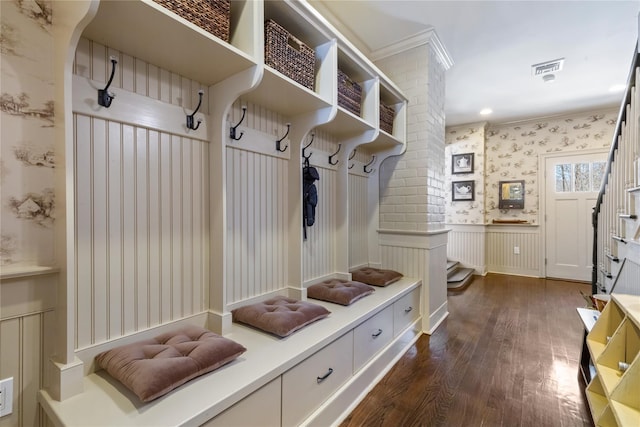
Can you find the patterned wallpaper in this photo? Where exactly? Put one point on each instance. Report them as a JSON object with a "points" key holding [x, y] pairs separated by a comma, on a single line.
{"points": [[461, 140], [511, 152], [27, 200]]}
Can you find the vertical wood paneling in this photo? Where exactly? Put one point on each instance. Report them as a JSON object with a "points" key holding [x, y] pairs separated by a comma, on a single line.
{"points": [[24, 352], [500, 256], [409, 261], [358, 221], [468, 247], [257, 212], [319, 248], [140, 202], [92, 60]]}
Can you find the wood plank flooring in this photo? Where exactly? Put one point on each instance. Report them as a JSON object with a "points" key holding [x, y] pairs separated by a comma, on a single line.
{"points": [[507, 355]]}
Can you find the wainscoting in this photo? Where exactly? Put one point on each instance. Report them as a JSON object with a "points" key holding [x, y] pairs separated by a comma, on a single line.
{"points": [[26, 328], [491, 248]]}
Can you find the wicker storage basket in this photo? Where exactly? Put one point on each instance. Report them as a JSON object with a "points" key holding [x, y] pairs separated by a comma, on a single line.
{"points": [[288, 55], [386, 118], [210, 15], [349, 93]]}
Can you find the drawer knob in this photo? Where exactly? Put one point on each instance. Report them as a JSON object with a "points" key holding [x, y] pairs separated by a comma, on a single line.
{"points": [[325, 376], [377, 334], [408, 310], [622, 366]]}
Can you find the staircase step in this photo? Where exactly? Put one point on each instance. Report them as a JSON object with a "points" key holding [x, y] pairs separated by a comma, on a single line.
{"points": [[452, 266], [460, 278]]}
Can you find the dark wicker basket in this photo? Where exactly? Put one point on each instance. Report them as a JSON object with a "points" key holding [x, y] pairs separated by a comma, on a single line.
{"points": [[288, 55], [349, 93], [386, 118], [210, 15]]}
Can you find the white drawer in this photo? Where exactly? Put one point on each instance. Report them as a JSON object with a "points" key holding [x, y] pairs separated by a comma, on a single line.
{"points": [[260, 408], [405, 311], [303, 386], [371, 335]]}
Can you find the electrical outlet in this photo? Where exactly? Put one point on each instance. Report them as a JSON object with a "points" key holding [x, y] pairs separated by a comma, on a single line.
{"points": [[516, 250], [6, 396]]}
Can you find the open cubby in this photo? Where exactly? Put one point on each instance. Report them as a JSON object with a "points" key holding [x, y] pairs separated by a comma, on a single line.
{"points": [[614, 344], [604, 328]]}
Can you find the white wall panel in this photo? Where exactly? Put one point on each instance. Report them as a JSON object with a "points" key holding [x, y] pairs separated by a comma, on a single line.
{"points": [[358, 221], [501, 241], [467, 244], [408, 261], [257, 212], [140, 223], [319, 248]]}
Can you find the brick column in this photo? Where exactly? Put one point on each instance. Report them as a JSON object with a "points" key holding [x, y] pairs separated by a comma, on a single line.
{"points": [[412, 231]]}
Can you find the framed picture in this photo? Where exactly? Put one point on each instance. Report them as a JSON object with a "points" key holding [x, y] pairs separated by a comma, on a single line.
{"points": [[511, 195], [462, 163], [463, 191]]}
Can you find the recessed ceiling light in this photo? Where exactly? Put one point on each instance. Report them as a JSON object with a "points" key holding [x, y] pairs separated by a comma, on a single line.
{"points": [[486, 111], [617, 88], [549, 78]]}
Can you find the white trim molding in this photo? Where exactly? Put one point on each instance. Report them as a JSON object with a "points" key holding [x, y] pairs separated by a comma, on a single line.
{"points": [[428, 36]]}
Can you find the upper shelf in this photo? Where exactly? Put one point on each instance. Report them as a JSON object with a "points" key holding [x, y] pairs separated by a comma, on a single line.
{"points": [[146, 30], [152, 33]]}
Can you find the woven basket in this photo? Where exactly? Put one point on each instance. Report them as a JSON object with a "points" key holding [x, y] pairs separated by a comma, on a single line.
{"points": [[386, 118], [210, 15], [288, 55], [349, 93]]}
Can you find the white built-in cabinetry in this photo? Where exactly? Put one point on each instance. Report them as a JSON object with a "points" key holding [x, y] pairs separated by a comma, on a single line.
{"points": [[165, 224], [614, 346]]}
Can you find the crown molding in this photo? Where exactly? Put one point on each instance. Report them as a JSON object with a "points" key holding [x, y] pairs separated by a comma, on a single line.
{"points": [[422, 38]]}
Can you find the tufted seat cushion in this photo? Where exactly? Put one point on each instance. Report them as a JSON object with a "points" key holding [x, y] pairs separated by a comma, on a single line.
{"points": [[339, 291], [375, 276], [152, 368], [280, 315]]}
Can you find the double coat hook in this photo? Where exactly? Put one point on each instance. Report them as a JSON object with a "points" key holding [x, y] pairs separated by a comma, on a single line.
{"points": [[191, 117], [353, 154], [232, 131], [373, 159], [304, 154], [278, 141], [104, 96], [333, 155]]}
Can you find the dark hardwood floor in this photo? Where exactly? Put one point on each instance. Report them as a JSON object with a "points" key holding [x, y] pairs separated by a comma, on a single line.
{"points": [[507, 355]]}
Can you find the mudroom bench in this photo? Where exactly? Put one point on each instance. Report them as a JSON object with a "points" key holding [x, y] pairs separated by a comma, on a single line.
{"points": [[316, 376]]}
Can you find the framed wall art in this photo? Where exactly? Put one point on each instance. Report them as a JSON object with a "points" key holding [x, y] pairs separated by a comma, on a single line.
{"points": [[462, 163], [511, 195], [463, 191]]}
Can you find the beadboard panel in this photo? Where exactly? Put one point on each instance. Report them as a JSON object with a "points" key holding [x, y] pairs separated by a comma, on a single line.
{"points": [[358, 221], [319, 248], [467, 245], [141, 203], [409, 261], [257, 210], [92, 60], [501, 241], [26, 328]]}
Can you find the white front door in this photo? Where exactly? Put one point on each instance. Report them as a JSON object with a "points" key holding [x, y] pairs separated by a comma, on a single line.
{"points": [[572, 184]]}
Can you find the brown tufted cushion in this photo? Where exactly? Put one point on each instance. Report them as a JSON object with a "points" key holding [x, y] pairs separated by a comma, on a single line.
{"points": [[152, 368], [339, 291], [279, 315], [375, 276]]}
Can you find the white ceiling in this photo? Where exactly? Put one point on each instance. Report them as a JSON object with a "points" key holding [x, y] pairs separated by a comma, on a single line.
{"points": [[493, 45]]}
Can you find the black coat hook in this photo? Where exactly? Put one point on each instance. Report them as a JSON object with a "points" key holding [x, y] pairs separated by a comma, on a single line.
{"points": [[278, 141], [313, 135], [104, 97], [232, 131], [191, 117], [333, 155], [353, 154], [373, 159]]}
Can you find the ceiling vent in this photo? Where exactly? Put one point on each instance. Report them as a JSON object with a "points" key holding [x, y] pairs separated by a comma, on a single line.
{"points": [[549, 67]]}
